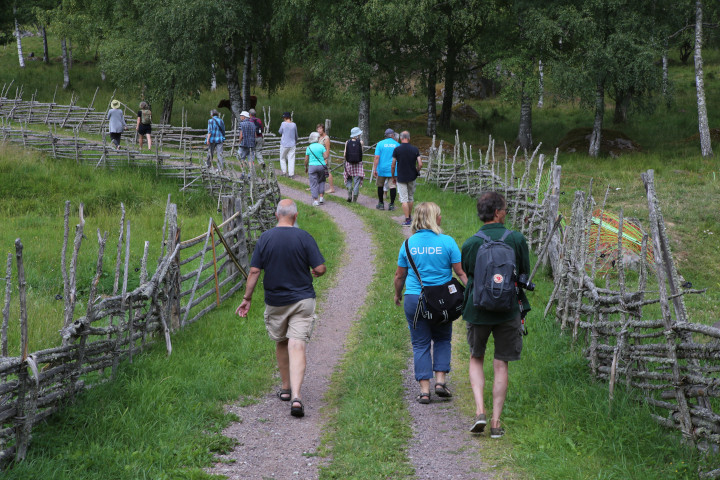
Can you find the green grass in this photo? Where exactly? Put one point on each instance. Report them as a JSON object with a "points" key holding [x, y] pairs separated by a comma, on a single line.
{"points": [[162, 417], [559, 421], [32, 202]]}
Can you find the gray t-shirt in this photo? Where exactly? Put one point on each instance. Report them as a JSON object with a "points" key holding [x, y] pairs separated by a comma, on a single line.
{"points": [[117, 120], [289, 135]]}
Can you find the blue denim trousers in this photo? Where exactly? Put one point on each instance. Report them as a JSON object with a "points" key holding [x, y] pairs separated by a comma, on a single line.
{"points": [[431, 343]]}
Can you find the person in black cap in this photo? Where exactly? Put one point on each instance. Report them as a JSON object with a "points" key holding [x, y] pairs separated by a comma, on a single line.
{"points": [[288, 140]]}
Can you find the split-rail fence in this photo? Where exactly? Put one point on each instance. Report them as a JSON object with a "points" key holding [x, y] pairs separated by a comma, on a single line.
{"points": [[636, 327]]}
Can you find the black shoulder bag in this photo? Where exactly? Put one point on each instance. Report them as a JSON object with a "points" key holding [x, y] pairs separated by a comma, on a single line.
{"points": [[437, 304]]}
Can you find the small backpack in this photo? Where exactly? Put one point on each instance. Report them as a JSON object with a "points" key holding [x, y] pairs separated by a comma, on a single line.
{"points": [[353, 151], [146, 117], [494, 275]]}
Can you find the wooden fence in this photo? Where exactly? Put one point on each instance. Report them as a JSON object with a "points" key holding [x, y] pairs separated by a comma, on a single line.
{"points": [[637, 333], [193, 277]]}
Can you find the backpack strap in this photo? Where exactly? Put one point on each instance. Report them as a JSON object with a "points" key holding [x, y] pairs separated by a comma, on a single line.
{"points": [[412, 262], [222, 130], [484, 236], [318, 159]]}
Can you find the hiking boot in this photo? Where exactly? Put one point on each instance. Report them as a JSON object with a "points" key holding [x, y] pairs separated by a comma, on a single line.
{"points": [[478, 425], [391, 207], [380, 206], [349, 199], [497, 432]]}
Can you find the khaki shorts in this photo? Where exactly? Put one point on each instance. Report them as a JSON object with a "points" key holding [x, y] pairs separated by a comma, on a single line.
{"points": [[406, 191], [508, 339], [380, 182], [296, 320]]}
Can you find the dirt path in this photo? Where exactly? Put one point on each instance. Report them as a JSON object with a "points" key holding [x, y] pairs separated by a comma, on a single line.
{"points": [[274, 445]]}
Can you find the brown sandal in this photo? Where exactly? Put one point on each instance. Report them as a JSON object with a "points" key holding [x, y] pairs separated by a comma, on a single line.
{"points": [[284, 394], [423, 398], [442, 391]]}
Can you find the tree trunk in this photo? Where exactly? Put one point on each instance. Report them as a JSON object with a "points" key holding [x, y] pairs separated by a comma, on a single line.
{"points": [[431, 102], [621, 105], [450, 62], [704, 127], [168, 104], [525, 129], [21, 58], [259, 69], [247, 71], [665, 70], [541, 85], [69, 53], [231, 75], [213, 78], [364, 111], [46, 54], [596, 135], [66, 69]]}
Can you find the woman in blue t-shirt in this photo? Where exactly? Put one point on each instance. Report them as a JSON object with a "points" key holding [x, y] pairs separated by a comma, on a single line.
{"points": [[436, 256], [315, 161]]}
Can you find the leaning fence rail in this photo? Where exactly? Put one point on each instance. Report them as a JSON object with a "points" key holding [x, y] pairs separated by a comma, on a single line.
{"points": [[636, 333], [192, 278]]}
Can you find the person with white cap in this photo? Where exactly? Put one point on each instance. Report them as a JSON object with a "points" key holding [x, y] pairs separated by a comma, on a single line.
{"points": [[354, 171], [247, 137], [116, 122]]}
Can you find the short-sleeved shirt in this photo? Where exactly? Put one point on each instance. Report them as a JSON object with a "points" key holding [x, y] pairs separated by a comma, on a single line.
{"points": [[288, 134], [216, 129], [247, 127], [405, 156], [384, 149], [316, 151], [433, 255], [287, 254], [522, 261]]}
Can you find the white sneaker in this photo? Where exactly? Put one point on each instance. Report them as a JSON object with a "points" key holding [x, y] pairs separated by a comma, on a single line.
{"points": [[316, 203], [322, 200]]}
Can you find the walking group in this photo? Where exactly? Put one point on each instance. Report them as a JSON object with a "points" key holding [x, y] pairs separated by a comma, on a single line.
{"points": [[117, 124], [250, 138], [490, 264]]}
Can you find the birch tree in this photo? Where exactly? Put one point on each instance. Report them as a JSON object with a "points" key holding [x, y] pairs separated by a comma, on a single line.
{"points": [[21, 57], [704, 127]]}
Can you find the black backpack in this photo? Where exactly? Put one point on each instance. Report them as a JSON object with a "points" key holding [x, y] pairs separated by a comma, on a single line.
{"points": [[353, 151], [495, 275]]}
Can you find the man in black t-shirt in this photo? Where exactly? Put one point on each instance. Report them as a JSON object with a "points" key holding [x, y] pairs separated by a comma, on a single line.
{"points": [[408, 161], [291, 258]]}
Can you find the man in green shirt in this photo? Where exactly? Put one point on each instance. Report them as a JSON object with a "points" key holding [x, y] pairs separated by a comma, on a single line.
{"points": [[505, 327]]}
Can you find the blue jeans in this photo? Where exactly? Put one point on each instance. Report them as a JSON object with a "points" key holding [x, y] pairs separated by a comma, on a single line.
{"points": [[423, 337]]}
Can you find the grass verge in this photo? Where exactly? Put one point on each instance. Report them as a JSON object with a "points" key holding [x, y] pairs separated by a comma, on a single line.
{"points": [[162, 417]]}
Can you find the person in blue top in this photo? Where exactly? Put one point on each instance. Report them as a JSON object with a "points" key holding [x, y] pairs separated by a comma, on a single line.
{"points": [[315, 162], [381, 166], [436, 256], [215, 138]]}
